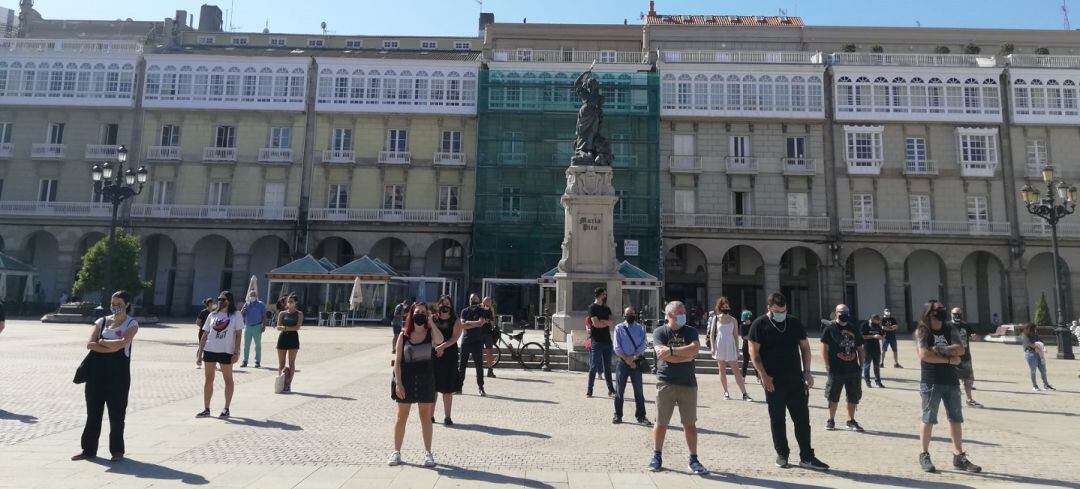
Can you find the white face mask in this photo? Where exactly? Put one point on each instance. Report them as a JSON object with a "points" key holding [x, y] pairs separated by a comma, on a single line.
{"points": [[250, 300]]}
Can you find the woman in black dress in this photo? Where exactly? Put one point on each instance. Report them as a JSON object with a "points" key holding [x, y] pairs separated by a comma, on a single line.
{"points": [[446, 356], [288, 341], [414, 377]]}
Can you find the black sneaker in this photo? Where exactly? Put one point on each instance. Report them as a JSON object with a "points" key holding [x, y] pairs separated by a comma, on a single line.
{"points": [[1046, 387], [205, 413], [447, 421], [868, 386], [588, 394], [482, 393], [926, 464], [854, 426], [782, 461], [491, 374], [224, 413], [898, 365], [616, 420], [961, 462], [830, 425], [879, 384], [257, 365], [644, 422], [433, 420], [243, 365], [813, 464]]}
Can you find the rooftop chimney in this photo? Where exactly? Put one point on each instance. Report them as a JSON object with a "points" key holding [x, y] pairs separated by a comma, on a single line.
{"points": [[210, 18], [486, 19], [652, 8]]}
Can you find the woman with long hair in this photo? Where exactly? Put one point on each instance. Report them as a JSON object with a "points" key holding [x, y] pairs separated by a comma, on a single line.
{"points": [[288, 342], [724, 331], [414, 377], [446, 356], [108, 378], [1035, 355], [220, 345]]}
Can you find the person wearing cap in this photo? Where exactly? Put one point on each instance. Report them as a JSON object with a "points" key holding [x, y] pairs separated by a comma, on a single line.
{"points": [[889, 326], [745, 319]]}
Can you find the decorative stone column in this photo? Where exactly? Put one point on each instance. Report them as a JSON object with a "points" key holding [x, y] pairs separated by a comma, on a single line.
{"points": [[895, 297], [588, 248], [954, 288], [185, 279], [1018, 296], [772, 278], [241, 274]]}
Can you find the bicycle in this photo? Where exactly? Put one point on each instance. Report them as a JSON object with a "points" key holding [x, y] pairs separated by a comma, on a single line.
{"points": [[529, 355]]}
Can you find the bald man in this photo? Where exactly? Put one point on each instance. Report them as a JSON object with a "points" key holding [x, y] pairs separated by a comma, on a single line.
{"points": [[630, 348]]}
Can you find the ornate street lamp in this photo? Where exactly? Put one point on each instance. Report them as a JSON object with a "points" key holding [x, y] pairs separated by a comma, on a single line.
{"points": [[115, 185], [1058, 201]]}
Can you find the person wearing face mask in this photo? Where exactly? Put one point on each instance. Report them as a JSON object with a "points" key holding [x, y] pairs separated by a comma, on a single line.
{"points": [[254, 312], [781, 355], [630, 348], [108, 378], [889, 325], [472, 342], [725, 346], [964, 370], [872, 334], [288, 342], [676, 349], [220, 345], [200, 320], [600, 347], [414, 377], [843, 353], [745, 319], [446, 358], [939, 351]]}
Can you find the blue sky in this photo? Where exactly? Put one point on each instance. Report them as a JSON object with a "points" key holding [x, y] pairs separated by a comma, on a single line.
{"points": [[459, 17]]}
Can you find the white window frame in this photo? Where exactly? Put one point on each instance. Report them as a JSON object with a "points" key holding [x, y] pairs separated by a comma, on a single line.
{"points": [[862, 211], [341, 139], [463, 46], [354, 43], [451, 142], [510, 200], [978, 213], [855, 140], [172, 138], [429, 45], [921, 211], [684, 201], [54, 133], [279, 137], [1037, 157], [916, 157], [316, 43], [393, 197], [47, 189], [278, 42], [229, 133], [206, 40], [239, 41], [337, 196], [219, 194], [397, 140], [280, 192], [449, 198], [977, 147], [6, 129], [163, 192], [391, 44], [608, 56]]}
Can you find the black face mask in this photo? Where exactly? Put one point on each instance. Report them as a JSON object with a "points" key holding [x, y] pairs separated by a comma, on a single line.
{"points": [[726, 311], [631, 319], [939, 314], [474, 303], [419, 319]]}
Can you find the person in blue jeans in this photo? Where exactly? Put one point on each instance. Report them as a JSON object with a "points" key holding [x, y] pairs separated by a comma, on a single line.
{"points": [[600, 349], [254, 312], [940, 348], [630, 348], [1034, 355]]}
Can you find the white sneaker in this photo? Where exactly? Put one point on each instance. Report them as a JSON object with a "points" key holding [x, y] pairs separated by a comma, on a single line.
{"points": [[395, 459], [429, 460], [727, 397]]}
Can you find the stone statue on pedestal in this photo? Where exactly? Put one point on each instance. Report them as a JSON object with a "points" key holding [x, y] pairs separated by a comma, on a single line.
{"points": [[590, 148]]}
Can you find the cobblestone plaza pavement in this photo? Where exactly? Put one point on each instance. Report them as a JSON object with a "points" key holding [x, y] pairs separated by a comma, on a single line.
{"points": [[535, 429]]}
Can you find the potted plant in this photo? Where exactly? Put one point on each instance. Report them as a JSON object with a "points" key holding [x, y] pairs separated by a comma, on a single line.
{"points": [[942, 50]]}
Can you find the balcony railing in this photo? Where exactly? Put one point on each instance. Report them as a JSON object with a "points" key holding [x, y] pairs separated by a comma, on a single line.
{"points": [[907, 226], [445, 158], [523, 217], [101, 151], [395, 157], [920, 167], [864, 167], [54, 209], [741, 164], [720, 222], [684, 164], [223, 212], [275, 155], [338, 156], [6, 149], [567, 56], [1043, 61], [426, 216], [163, 153], [47, 151], [872, 59], [1041, 229], [978, 169], [79, 46], [741, 57], [219, 154], [799, 166]]}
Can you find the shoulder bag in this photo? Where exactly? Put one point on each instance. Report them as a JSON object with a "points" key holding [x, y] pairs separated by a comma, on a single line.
{"points": [[641, 361], [88, 364]]}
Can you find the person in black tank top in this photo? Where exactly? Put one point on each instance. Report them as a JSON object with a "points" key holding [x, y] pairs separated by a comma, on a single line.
{"points": [[414, 377], [288, 342], [446, 363]]}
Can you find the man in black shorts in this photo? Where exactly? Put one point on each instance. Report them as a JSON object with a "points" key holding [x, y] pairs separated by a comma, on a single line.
{"points": [[843, 353]]}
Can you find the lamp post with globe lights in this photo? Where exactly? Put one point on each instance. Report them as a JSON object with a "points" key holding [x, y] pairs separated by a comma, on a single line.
{"points": [[115, 185], [1058, 201]]}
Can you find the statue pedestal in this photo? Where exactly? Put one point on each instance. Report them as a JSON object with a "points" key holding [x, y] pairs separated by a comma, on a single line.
{"points": [[588, 250]]}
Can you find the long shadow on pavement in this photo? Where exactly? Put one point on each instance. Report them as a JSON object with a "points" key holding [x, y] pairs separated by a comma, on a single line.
{"points": [[494, 430], [522, 399], [706, 431], [22, 418], [144, 470], [458, 473], [915, 436], [320, 396], [271, 424], [742, 480], [1021, 479], [1027, 411], [896, 481], [535, 381]]}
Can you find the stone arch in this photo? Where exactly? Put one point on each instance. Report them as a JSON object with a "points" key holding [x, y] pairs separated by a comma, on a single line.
{"points": [[335, 249], [265, 254], [984, 284], [686, 270], [213, 264], [393, 252], [924, 279], [743, 269], [41, 249], [800, 282], [157, 263], [1040, 280], [866, 275], [445, 256]]}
